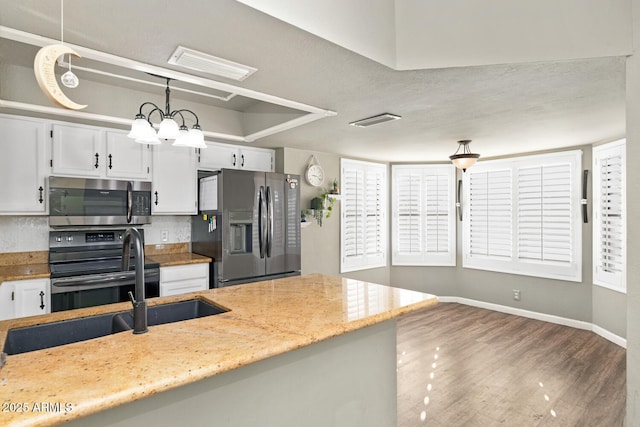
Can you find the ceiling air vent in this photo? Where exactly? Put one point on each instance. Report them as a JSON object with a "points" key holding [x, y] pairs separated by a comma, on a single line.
{"points": [[370, 121], [194, 60]]}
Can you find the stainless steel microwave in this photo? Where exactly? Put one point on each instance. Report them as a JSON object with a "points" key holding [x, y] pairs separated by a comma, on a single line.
{"points": [[80, 201]]}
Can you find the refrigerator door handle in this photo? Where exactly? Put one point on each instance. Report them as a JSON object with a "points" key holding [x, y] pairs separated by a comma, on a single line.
{"points": [[261, 225], [269, 221]]}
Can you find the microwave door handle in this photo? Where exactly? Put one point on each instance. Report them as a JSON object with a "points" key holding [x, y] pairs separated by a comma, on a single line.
{"points": [[269, 221], [129, 201], [261, 242]]}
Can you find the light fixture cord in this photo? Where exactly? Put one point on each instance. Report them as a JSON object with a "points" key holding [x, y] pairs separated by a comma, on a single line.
{"points": [[62, 29]]}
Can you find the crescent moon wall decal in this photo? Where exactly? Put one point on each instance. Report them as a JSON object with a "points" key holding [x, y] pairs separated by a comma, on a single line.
{"points": [[44, 69]]}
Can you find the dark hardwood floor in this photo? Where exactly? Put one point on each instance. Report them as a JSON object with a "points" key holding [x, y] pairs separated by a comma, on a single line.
{"points": [[465, 366]]}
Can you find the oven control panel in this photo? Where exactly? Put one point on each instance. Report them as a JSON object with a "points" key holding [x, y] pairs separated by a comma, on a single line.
{"points": [[78, 238]]}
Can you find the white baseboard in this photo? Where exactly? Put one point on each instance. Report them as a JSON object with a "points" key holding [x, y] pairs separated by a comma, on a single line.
{"points": [[578, 324]]}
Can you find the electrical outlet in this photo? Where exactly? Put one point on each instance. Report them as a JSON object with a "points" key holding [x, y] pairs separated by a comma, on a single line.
{"points": [[516, 294], [164, 235]]}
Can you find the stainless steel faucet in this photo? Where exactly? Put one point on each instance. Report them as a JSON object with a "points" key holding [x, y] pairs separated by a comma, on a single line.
{"points": [[139, 302]]}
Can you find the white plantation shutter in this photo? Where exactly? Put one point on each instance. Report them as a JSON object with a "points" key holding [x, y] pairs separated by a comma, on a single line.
{"points": [[423, 227], [490, 213], [363, 227], [524, 216], [544, 213], [609, 225]]}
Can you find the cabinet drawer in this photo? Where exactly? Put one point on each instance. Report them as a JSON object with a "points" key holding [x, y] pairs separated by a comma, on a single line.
{"points": [[184, 272]]}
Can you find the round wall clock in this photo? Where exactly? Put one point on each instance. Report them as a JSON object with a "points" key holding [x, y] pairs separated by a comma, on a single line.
{"points": [[315, 175]]}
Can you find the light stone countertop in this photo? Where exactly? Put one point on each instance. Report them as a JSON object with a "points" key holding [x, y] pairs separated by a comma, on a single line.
{"points": [[265, 319]]}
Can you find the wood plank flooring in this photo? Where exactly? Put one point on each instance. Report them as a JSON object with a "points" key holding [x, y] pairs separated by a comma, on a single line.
{"points": [[465, 366]]}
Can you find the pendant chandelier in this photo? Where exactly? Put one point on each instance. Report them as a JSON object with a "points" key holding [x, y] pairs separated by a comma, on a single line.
{"points": [[466, 159], [142, 130]]}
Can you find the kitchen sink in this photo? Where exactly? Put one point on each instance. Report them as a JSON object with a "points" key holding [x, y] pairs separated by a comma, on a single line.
{"points": [[38, 337]]}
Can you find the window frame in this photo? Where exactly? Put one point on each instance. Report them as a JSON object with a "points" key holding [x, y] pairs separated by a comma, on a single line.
{"points": [[512, 263], [613, 281], [424, 257], [366, 259]]}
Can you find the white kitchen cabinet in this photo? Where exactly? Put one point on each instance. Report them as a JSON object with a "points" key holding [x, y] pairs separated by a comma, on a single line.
{"points": [[125, 158], [77, 151], [7, 301], [257, 159], [23, 165], [93, 152], [218, 156], [181, 279], [174, 180], [20, 298]]}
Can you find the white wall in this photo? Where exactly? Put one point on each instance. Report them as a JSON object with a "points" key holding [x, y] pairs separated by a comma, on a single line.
{"points": [[450, 33], [418, 34], [366, 27], [633, 228]]}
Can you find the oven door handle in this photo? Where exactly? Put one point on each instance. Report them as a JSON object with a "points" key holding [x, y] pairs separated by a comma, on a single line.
{"points": [[92, 281]]}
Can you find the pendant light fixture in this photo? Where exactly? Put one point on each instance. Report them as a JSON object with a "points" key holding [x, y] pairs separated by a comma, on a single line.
{"points": [[466, 159], [142, 130]]}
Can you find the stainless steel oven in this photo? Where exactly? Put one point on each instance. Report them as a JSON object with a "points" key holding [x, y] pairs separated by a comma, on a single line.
{"points": [[80, 201], [85, 269]]}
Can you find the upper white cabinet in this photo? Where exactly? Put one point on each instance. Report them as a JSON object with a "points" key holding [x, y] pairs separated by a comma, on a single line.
{"points": [[23, 165], [227, 156], [88, 151], [174, 185], [257, 159], [125, 158]]}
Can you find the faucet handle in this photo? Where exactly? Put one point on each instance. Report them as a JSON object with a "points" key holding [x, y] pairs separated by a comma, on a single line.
{"points": [[132, 298]]}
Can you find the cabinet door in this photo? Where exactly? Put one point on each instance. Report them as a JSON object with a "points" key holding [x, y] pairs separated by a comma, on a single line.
{"points": [[256, 159], [184, 278], [126, 158], [32, 297], [7, 301], [218, 156], [77, 151], [174, 180], [23, 166]]}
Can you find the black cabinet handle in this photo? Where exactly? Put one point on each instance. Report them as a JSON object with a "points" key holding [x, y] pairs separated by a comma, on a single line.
{"points": [[40, 190], [41, 300], [97, 158], [234, 159], [242, 157], [156, 202], [110, 159]]}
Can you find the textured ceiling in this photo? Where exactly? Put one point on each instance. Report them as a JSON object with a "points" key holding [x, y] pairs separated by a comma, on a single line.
{"points": [[504, 109]]}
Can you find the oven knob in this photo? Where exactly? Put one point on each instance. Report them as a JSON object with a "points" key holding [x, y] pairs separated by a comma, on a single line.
{"points": [[69, 238], [58, 239]]}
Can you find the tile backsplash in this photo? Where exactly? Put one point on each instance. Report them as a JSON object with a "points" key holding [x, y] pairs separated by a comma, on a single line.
{"points": [[31, 233]]}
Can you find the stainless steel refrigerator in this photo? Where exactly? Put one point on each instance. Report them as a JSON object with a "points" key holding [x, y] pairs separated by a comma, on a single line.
{"points": [[249, 223]]}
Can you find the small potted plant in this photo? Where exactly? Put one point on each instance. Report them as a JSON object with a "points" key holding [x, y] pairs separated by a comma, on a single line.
{"points": [[335, 189]]}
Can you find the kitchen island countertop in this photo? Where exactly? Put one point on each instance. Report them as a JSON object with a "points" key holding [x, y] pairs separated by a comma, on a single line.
{"points": [[265, 319]]}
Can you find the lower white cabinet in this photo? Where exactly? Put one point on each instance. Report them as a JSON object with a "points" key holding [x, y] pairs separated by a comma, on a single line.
{"points": [[181, 279], [21, 298]]}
